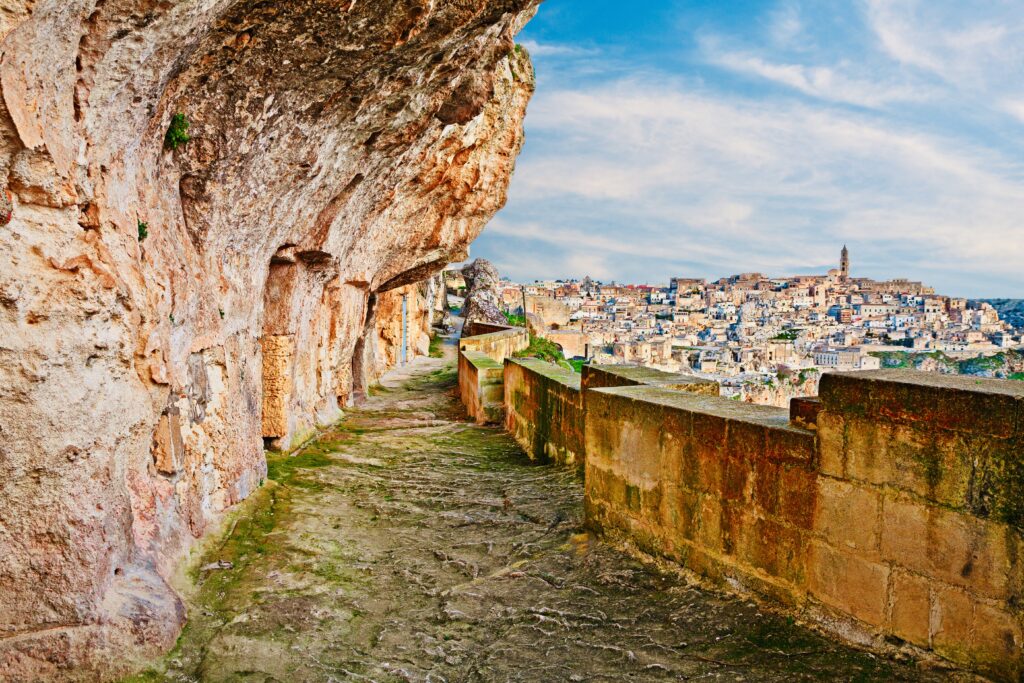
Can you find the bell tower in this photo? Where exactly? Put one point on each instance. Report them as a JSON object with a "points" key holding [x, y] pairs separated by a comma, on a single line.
{"points": [[844, 263]]}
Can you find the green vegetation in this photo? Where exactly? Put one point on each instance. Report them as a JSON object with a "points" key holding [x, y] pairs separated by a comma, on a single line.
{"points": [[996, 365], [577, 364], [1017, 376], [286, 469], [435, 350], [143, 230], [177, 132], [543, 349], [515, 320], [976, 366], [788, 335], [221, 312]]}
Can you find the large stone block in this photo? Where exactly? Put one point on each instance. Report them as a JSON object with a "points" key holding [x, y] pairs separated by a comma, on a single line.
{"points": [[777, 549], [983, 636], [998, 486], [847, 515], [799, 493], [848, 583], [998, 644], [709, 530], [867, 456], [832, 443], [953, 547], [953, 623], [911, 608], [790, 443]]}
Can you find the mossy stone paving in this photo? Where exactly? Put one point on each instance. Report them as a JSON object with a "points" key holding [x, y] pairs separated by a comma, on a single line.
{"points": [[406, 545]]}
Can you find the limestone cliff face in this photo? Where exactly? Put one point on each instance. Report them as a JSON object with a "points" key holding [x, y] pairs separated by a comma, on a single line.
{"points": [[164, 311]]}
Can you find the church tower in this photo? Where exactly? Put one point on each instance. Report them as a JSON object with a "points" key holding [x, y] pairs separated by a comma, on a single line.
{"points": [[844, 263]]}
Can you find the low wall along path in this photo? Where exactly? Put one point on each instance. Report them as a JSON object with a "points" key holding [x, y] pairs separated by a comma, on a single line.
{"points": [[408, 544], [889, 510]]}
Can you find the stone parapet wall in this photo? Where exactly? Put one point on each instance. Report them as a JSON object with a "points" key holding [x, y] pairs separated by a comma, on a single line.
{"points": [[926, 475], [544, 410], [888, 510], [892, 518], [475, 328], [598, 376], [498, 345], [480, 367], [480, 387], [725, 488]]}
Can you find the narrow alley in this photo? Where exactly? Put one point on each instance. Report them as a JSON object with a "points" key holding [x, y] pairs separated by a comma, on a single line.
{"points": [[408, 545]]}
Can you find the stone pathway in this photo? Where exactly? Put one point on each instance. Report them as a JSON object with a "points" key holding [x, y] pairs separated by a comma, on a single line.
{"points": [[406, 545]]}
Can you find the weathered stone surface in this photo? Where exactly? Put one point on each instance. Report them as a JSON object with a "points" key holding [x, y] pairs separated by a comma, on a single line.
{"points": [[482, 295], [481, 387], [598, 376], [544, 410], [338, 152]]}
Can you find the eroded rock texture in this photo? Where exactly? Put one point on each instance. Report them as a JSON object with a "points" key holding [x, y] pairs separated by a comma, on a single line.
{"points": [[482, 293], [162, 312]]}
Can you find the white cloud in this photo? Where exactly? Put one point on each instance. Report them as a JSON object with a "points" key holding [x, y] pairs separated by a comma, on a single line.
{"points": [[1014, 108], [972, 45], [785, 25], [537, 49], [819, 81], [639, 172]]}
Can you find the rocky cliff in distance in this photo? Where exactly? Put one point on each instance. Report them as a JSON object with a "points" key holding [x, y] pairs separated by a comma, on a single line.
{"points": [[483, 294], [166, 306]]}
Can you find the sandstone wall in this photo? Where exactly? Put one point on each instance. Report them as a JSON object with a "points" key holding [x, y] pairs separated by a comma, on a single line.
{"points": [[544, 410], [498, 345], [896, 519], [889, 510], [481, 387], [339, 153]]}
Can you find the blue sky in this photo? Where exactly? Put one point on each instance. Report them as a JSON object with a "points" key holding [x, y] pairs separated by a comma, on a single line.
{"points": [[671, 138]]}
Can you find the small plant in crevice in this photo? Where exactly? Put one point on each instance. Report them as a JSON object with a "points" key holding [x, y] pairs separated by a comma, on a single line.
{"points": [[171, 318], [143, 230], [221, 312], [177, 132]]}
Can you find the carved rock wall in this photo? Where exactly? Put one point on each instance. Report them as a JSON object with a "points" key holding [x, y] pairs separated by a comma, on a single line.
{"points": [[340, 150]]}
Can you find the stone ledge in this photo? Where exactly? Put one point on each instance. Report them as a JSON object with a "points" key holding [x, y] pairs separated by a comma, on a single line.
{"points": [[601, 376], [481, 361], [714, 406], [478, 329], [957, 403], [548, 370], [722, 427]]}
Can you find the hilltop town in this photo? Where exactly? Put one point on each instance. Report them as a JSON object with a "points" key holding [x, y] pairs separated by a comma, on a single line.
{"points": [[768, 339]]}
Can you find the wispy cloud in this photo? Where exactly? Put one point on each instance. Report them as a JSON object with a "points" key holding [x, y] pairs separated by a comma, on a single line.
{"points": [[971, 45], [538, 49], [824, 82]]}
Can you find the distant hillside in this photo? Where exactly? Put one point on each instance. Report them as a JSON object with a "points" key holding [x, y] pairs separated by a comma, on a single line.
{"points": [[1011, 310], [1003, 365]]}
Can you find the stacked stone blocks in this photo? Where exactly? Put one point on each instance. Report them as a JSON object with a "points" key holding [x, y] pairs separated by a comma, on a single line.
{"points": [[890, 509]]}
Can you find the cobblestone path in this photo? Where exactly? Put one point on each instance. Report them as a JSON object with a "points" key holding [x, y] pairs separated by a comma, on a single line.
{"points": [[407, 545]]}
